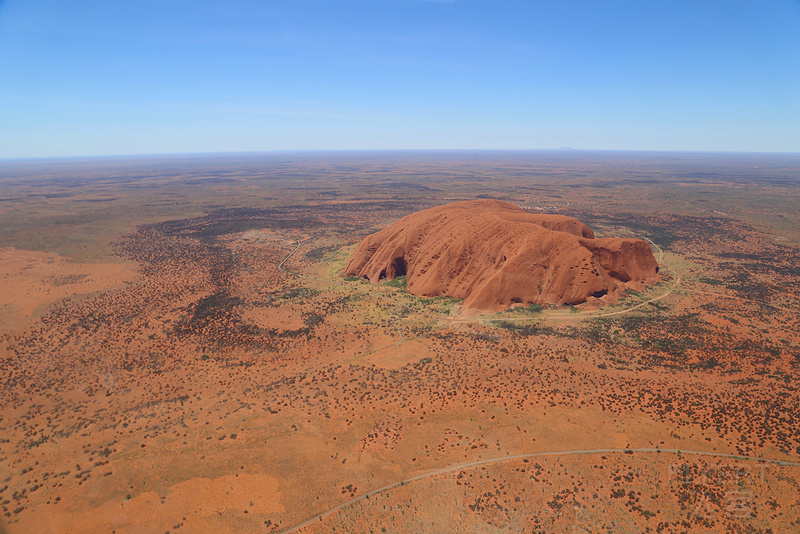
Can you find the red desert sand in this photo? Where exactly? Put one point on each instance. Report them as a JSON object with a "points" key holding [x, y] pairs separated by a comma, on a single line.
{"points": [[495, 255]]}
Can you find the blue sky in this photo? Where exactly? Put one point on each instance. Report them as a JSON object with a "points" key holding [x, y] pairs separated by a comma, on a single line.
{"points": [[141, 77]]}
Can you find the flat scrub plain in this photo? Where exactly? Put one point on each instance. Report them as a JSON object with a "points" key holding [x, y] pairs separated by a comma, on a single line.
{"points": [[180, 351]]}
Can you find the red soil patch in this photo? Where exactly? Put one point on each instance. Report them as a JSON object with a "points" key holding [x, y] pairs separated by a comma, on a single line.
{"points": [[206, 505], [32, 280]]}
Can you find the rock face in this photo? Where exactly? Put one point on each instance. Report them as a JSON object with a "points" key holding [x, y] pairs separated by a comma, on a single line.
{"points": [[494, 255]]}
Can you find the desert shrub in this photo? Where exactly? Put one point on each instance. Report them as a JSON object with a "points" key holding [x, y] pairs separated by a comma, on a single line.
{"points": [[399, 281]]}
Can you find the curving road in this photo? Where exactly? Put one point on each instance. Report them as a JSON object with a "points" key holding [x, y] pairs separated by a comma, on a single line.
{"points": [[468, 465], [280, 265]]}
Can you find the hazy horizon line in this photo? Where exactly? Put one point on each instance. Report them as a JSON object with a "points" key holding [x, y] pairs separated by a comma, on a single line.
{"points": [[391, 151]]}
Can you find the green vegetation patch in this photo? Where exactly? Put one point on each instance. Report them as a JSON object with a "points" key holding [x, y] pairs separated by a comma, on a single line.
{"points": [[318, 253], [399, 282], [527, 329], [441, 299]]}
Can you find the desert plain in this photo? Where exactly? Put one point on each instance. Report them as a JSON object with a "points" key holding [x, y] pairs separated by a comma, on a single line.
{"points": [[181, 351]]}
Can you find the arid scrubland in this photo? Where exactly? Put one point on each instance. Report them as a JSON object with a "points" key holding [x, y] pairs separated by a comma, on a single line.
{"points": [[180, 351]]}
